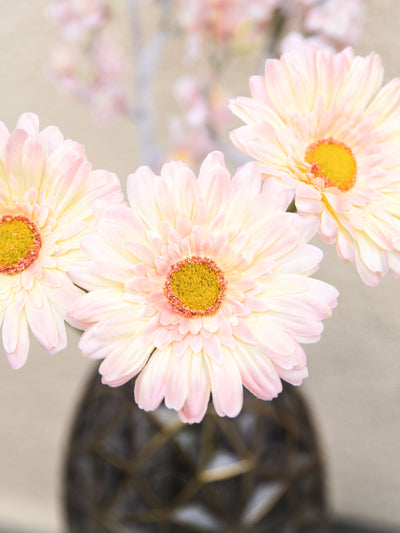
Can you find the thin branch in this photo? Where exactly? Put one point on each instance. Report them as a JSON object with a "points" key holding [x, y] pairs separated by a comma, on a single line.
{"points": [[146, 61]]}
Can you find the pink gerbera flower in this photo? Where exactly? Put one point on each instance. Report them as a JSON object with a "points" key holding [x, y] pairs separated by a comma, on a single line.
{"points": [[202, 285], [47, 192], [321, 123]]}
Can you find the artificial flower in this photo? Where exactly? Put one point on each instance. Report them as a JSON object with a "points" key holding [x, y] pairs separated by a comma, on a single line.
{"points": [[322, 124], [201, 285], [47, 193]]}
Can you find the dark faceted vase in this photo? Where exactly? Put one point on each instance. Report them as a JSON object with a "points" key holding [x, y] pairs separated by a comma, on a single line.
{"points": [[128, 471]]}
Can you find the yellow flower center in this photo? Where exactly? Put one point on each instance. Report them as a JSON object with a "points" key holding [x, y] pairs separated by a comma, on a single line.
{"points": [[20, 243], [334, 162], [195, 287]]}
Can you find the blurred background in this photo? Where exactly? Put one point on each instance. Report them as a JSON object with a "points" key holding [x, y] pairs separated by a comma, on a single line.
{"points": [[354, 385]]}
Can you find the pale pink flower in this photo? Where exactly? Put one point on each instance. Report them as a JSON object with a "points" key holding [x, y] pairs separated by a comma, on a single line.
{"points": [[63, 67], [224, 21], [337, 20], [219, 114], [78, 16], [294, 41], [189, 92], [205, 101], [201, 286], [218, 19], [96, 79], [47, 194], [107, 100], [205, 110], [107, 95], [189, 144], [108, 58], [322, 124]]}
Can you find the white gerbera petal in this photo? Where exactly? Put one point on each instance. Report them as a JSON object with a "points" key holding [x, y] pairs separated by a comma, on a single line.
{"points": [[258, 373], [15, 337], [198, 392], [226, 386], [151, 383]]}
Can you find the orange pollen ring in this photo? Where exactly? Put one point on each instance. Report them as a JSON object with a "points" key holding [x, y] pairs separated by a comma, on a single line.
{"points": [[24, 262], [343, 182], [178, 305]]}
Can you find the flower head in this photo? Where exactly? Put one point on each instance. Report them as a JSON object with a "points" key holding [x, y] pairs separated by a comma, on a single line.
{"points": [[78, 16], [321, 123], [47, 193], [337, 20], [202, 285], [225, 21]]}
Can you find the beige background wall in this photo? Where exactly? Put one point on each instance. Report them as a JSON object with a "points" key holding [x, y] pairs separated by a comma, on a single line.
{"points": [[354, 384]]}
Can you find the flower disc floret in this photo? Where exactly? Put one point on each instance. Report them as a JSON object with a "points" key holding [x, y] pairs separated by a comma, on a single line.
{"points": [[195, 287], [20, 243], [334, 162]]}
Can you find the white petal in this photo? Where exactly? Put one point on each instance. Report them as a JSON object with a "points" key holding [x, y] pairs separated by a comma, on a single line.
{"points": [[176, 389], [150, 385], [257, 372], [15, 336], [46, 324], [198, 391], [226, 386]]}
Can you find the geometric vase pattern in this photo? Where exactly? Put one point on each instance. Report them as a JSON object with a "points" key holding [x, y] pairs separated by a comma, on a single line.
{"points": [[129, 471]]}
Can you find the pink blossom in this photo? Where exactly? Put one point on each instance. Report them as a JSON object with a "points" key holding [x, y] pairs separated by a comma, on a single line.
{"points": [[108, 58], [63, 67], [189, 93], [222, 20], [295, 41], [337, 20], [189, 144], [204, 100], [78, 16], [107, 100], [205, 110]]}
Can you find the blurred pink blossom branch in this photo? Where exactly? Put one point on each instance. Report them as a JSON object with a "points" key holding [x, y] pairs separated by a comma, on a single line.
{"points": [[146, 60], [91, 65], [86, 62]]}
